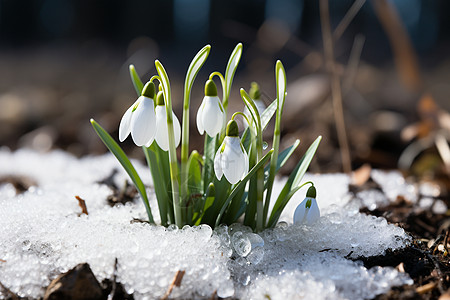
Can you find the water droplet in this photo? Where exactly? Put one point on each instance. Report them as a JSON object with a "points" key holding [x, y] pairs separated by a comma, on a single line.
{"points": [[265, 145], [241, 244]]}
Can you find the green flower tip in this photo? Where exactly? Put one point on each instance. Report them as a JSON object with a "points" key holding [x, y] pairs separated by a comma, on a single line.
{"points": [[232, 128], [149, 90], [210, 191], [160, 98], [311, 193], [308, 203], [210, 88], [255, 92]]}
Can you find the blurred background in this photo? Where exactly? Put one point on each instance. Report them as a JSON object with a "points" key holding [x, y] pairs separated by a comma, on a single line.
{"points": [[65, 61]]}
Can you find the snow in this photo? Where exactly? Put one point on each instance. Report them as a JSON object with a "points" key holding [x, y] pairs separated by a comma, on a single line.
{"points": [[43, 235]]}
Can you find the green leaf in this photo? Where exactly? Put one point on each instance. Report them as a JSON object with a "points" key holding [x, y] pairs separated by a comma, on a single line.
{"points": [[194, 173], [284, 156], [252, 109], [138, 85], [280, 75], [306, 160], [268, 114], [233, 62], [293, 183], [126, 164], [241, 185], [195, 66], [159, 182]]}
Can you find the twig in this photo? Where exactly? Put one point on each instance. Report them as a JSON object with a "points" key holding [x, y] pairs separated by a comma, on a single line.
{"points": [[9, 292], [353, 61], [347, 19], [175, 282], [336, 92], [404, 55]]}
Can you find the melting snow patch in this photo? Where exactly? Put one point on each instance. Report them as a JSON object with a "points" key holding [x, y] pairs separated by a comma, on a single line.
{"points": [[43, 236]]}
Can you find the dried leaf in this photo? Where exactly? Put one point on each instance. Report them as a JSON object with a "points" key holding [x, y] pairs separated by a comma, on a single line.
{"points": [[82, 204], [361, 175], [426, 288]]}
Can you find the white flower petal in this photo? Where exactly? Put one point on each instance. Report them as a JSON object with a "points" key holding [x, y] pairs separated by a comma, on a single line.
{"points": [[313, 213], [125, 122], [143, 122], [212, 115], [176, 130], [200, 127], [307, 215], [162, 135], [233, 162], [217, 163], [245, 163], [300, 212]]}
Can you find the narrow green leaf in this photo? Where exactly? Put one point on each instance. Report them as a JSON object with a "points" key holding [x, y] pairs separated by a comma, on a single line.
{"points": [[252, 109], [196, 63], [137, 83], [280, 75], [268, 113], [195, 66], [241, 184], [194, 182], [306, 160], [125, 162], [233, 62], [284, 156], [293, 182], [158, 183]]}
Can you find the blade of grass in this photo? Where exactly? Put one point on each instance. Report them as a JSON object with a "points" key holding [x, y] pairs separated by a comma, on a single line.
{"points": [[137, 83], [126, 164]]}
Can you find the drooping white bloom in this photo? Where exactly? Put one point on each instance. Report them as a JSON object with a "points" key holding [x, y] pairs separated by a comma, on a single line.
{"points": [[140, 119], [307, 212], [231, 158], [162, 135], [210, 115]]}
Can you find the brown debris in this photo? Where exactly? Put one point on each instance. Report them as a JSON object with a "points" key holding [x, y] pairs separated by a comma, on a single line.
{"points": [[120, 195], [426, 288], [175, 282], [82, 204], [77, 284]]}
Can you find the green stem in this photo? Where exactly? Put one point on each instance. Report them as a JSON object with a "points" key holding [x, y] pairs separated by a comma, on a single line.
{"points": [[173, 163], [273, 165], [224, 102], [259, 185]]}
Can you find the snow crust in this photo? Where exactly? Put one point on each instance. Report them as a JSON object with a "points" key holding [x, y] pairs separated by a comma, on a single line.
{"points": [[42, 235]]}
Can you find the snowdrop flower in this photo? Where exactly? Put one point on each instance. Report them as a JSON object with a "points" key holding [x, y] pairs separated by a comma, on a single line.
{"points": [[231, 159], [139, 119], [162, 134], [307, 212], [210, 115]]}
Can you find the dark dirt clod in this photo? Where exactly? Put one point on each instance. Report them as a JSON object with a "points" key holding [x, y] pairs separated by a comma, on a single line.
{"points": [[120, 195], [76, 284], [20, 183]]}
